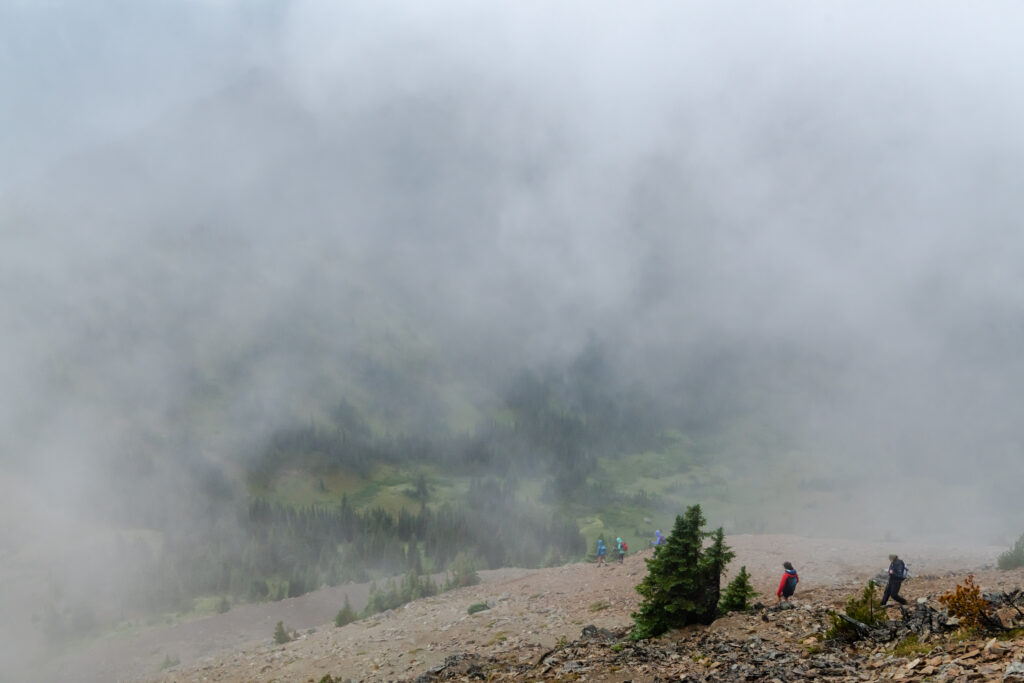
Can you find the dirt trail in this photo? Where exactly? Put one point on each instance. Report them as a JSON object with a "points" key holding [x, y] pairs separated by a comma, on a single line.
{"points": [[528, 607]]}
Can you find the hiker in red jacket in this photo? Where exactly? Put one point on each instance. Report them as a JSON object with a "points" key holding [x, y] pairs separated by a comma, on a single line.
{"points": [[787, 586]]}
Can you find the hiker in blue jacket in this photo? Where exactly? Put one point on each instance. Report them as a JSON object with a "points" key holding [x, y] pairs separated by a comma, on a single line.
{"points": [[897, 572], [602, 550]]}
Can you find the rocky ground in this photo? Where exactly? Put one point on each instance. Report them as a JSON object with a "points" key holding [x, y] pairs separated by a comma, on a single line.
{"points": [[570, 623], [767, 644]]}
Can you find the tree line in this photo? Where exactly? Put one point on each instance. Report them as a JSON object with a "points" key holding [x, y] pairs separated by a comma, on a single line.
{"points": [[275, 551], [553, 424]]}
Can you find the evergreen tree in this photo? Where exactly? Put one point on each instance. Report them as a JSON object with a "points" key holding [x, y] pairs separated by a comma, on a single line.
{"points": [[682, 582], [865, 609], [281, 635], [713, 562], [346, 615], [738, 593], [422, 491], [224, 605]]}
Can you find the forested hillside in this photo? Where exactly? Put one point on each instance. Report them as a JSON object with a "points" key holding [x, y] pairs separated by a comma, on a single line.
{"points": [[335, 500]]}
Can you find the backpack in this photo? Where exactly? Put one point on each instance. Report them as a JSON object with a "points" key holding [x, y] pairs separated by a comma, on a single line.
{"points": [[625, 547], [902, 572]]}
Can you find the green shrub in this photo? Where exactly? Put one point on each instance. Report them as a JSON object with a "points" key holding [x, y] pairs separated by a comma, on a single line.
{"points": [[463, 573], [1014, 557], [866, 609], [477, 607], [281, 635], [223, 605], [346, 615], [911, 647], [738, 593], [411, 587]]}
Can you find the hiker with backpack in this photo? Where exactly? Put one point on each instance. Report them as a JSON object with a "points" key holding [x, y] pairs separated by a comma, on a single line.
{"points": [[897, 573], [602, 550], [787, 585], [658, 539], [621, 546]]}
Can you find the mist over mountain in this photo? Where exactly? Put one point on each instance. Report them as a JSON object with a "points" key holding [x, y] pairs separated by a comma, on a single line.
{"points": [[791, 234]]}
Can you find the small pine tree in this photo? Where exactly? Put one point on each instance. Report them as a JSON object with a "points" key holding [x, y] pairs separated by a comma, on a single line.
{"points": [[281, 635], [682, 585], [346, 615], [866, 609], [738, 593]]}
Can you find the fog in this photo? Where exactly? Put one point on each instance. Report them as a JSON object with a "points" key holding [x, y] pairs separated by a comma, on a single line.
{"points": [[789, 220]]}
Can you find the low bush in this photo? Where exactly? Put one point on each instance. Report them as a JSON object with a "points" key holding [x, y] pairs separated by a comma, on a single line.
{"points": [[965, 603], [911, 647], [477, 607]]}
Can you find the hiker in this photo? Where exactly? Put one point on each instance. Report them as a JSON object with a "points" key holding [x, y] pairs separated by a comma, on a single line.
{"points": [[658, 539], [897, 572], [787, 585], [602, 550], [621, 547]]}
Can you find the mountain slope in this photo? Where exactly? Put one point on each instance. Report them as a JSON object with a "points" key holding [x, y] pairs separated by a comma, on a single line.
{"points": [[531, 611]]}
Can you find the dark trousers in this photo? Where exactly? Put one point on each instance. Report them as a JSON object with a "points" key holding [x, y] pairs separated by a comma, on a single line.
{"points": [[892, 589]]}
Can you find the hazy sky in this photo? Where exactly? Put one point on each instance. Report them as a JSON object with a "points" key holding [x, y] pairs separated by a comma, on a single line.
{"points": [[805, 210]]}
